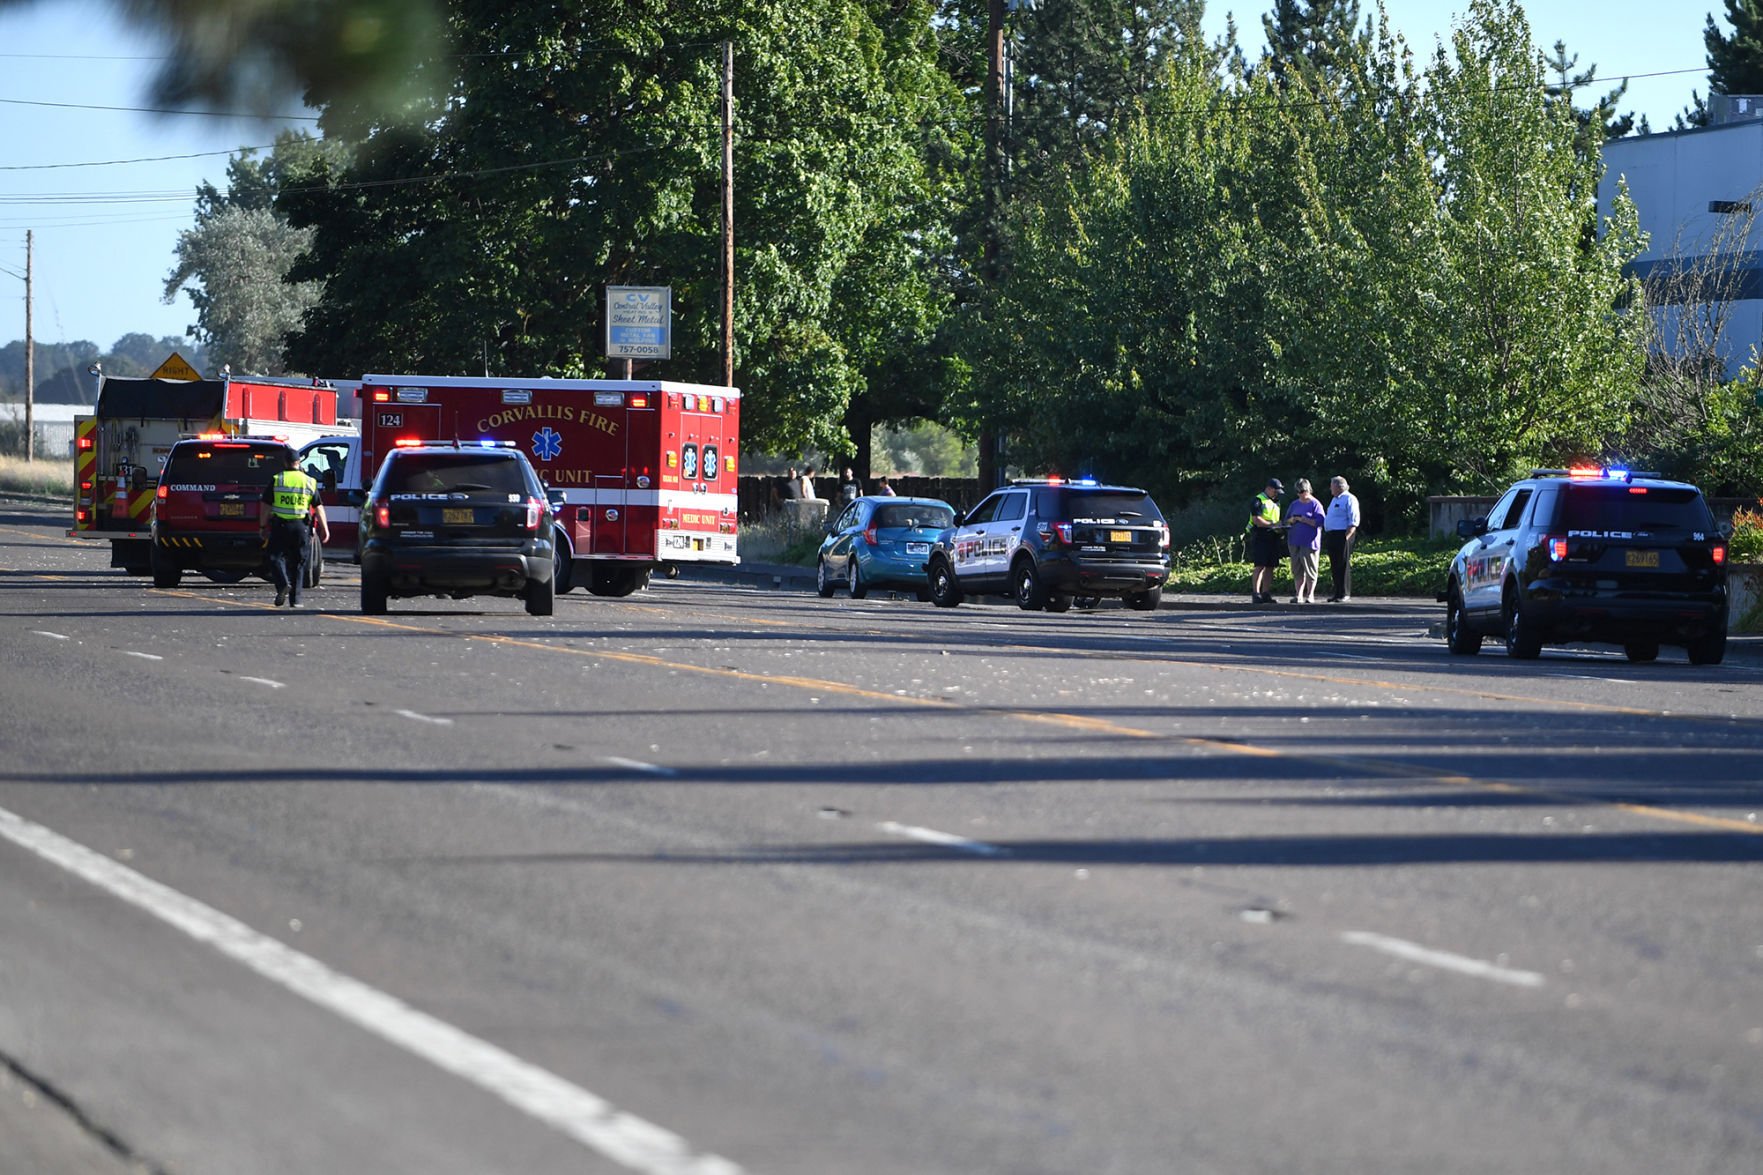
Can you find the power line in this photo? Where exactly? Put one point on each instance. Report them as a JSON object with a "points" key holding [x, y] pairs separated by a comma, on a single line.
{"points": [[120, 162], [158, 110]]}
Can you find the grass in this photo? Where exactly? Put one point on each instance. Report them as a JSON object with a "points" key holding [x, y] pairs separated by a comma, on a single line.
{"points": [[773, 540], [52, 478], [1381, 567]]}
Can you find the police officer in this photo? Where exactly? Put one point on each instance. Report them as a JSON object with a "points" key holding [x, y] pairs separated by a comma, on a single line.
{"points": [[291, 508], [1264, 541]]}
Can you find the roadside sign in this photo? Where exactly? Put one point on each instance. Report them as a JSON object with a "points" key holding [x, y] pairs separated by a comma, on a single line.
{"points": [[176, 367], [639, 322]]}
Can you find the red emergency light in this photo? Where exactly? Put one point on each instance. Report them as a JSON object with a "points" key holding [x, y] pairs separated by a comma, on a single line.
{"points": [[638, 401], [86, 443]]}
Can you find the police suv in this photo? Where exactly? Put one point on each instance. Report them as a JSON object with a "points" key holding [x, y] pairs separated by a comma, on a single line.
{"points": [[1600, 555], [1049, 541], [206, 510]]}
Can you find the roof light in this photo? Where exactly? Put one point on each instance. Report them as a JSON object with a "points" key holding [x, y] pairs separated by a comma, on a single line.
{"points": [[1053, 479], [1085, 481], [1585, 471], [210, 436], [406, 442], [638, 401]]}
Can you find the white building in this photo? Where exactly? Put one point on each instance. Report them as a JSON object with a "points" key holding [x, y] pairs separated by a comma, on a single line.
{"points": [[53, 424], [1700, 195]]}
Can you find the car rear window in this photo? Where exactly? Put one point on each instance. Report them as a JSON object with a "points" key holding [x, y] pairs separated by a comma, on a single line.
{"points": [[1633, 508], [225, 463], [1107, 504], [907, 515], [446, 473]]}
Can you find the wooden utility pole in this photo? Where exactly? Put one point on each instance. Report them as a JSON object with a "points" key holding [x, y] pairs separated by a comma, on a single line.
{"points": [[728, 214], [991, 472], [30, 360]]}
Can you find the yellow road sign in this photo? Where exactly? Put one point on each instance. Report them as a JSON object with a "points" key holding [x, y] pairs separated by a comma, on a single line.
{"points": [[176, 367]]}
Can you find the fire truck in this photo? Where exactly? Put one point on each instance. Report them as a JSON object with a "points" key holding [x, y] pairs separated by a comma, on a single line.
{"points": [[120, 449], [642, 474]]}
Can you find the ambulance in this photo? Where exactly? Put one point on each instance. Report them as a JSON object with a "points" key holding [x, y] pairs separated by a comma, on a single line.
{"points": [[641, 474]]}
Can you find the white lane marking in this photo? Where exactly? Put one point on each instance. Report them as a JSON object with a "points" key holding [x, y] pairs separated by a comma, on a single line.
{"points": [[639, 765], [589, 1119], [142, 656], [1415, 953], [1353, 656], [264, 681], [415, 717], [54, 636], [947, 840]]}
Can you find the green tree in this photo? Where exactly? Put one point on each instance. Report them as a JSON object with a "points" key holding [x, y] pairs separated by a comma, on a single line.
{"points": [[1735, 61], [231, 266], [482, 232], [1319, 36], [1600, 120]]}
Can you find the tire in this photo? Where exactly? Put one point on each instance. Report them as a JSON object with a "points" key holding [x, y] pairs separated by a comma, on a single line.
{"points": [[540, 596], [373, 595], [1059, 603], [1710, 650], [166, 574], [1459, 637], [1147, 600], [823, 582], [923, 595], [1642, 650], [313, 572], [619, 581], [1025, 582], [854, 579], [562, 564], [1522, 641], [945, 589]]}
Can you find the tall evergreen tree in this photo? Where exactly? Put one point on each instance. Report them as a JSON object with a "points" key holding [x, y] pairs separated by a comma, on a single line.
{"points": [[1600, 119], [1735, 62], [1319, 37]]}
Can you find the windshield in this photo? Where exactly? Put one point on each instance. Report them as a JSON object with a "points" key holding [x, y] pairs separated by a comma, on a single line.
{"points": [[910, 515], [444, 473], [1633, 508]]}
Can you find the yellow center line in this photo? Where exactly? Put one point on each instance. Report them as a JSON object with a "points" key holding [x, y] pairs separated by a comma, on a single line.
{"points": [[1077, 721]]}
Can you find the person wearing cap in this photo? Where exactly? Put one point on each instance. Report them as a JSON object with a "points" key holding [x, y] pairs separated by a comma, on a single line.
{"points": [[1339, 528], [1303, 538], [1264, 545]]}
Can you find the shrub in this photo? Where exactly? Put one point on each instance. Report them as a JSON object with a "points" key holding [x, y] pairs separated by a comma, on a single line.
{"points": [[1746, 544]]}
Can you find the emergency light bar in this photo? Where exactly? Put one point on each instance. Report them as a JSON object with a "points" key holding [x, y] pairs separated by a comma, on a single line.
{"points": [[452, 443]]}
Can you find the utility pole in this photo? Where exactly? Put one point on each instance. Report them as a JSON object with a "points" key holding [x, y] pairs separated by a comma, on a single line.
{"points": [[990, 470], [728, 214], [30, 360]]}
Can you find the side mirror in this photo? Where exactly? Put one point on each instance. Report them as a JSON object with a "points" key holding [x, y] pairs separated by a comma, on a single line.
{"points": [[1469, 528], [354, 497]]}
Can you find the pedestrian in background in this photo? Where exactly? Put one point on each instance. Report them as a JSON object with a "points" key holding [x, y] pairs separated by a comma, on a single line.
{"points": [[1303, 538], [285, 520], [1264, 545], [884, 489], [808, 490], [1340, 527], [792, 486], [849, 490]]}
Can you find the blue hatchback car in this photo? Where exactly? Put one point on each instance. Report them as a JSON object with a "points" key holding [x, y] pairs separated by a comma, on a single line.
{"points": [[881, 542]]}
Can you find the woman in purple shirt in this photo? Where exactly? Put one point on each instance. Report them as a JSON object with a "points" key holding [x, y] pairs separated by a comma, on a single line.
{"points": [[1304, 537]]}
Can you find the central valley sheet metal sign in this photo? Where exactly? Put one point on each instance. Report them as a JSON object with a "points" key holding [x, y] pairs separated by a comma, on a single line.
{"points": [[639, 322]]}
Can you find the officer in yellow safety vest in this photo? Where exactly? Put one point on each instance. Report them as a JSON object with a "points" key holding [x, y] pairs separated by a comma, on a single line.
{"points": [[1264, 541], [290, 508]]}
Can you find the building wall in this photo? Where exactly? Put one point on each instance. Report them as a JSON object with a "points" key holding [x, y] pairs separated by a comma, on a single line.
{"points": [[1673, 179]]}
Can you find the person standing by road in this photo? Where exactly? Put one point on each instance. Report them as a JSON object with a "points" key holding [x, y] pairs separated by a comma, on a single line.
{"points": [[1340, 527], [1264, 544], [849, 490], [290, 510], [1303, 537]]}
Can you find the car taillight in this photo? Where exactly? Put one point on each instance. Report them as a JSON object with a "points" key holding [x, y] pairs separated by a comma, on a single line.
{"points": [[1718, 550], [160, 493], [382, 513], [534, 508], [1162, 536], [1557, 547], [869, 534]]}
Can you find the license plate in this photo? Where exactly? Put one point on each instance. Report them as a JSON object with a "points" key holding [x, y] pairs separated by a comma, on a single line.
{"points": [[1120, 536], [458, 515], [1642, 558], [918, 548], [232, 510]]}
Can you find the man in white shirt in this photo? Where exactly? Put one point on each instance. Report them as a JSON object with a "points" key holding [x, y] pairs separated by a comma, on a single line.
{"points": [[1340, 525]]}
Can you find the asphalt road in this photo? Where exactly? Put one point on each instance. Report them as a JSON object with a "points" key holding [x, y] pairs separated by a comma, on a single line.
{"points": [[718, 878]]}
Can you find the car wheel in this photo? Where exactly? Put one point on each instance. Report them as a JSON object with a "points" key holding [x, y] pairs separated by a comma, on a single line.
{"points": [[314, 569], [1031, 594], [373, 594], [1642, 650], [945, 591], [540, 596], [1147, 600], [562, 564], [1522, 642], [823, 580], [1710, 650], [1459, 637], [854, 579], [166, 574], [618, 581], [1059, 603]]}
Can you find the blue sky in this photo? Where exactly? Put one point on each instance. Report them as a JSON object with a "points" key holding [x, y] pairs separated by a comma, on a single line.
{"points": [[105, 234]]}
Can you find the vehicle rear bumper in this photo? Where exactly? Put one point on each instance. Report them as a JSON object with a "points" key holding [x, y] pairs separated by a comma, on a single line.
{"points": [[1096, 578], [486, 569], [222, 550], [1628, 617]]}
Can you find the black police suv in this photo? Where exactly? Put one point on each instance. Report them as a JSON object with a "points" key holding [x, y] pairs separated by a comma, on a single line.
{"points": [[1597, 555], [1049, 541], [457, 520]]}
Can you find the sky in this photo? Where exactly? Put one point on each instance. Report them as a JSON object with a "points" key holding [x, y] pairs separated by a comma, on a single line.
{"points": [[95, 179]]}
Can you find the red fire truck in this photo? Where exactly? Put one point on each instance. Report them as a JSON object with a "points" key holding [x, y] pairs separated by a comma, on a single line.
{"points": [[642, 473], [120, 449]]}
